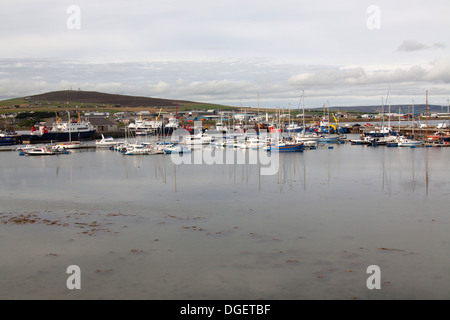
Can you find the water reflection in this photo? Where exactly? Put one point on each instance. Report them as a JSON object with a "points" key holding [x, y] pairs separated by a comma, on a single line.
{"points": [[426, 171], [342, 168], [219, 229]]}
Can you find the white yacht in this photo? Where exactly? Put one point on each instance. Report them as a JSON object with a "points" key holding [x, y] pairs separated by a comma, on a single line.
{"points": [[404, 142], [200, 139], [139, 149], [105, 142]]}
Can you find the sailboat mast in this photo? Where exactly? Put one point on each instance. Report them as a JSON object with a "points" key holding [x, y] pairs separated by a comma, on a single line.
{"points": [[303, 102], [69, 124], [258, 106], [413, 119], [448, 108], [328, 103], [389, 101], [426, 110], [289, 116]]}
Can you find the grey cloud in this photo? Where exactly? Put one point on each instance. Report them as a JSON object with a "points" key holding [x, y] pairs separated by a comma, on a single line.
{"points": [[411, 45], [232, 81], [414, 45], [439, 45], [358, 76]]}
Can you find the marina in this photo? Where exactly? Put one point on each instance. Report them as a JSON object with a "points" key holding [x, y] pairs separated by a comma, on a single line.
{"points": [[232, 158], [229, 209], [160, 230]]}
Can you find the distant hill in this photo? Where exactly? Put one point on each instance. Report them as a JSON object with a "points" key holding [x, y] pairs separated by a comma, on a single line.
{"points": [[119, 100], [107, 98], [418, 108]]}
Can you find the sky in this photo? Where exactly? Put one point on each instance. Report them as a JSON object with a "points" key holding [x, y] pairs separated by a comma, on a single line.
{"points": [[284, 53]]}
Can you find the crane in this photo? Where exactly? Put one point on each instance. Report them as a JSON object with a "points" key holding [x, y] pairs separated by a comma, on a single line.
{"points": [[58, 119], [159, 113]]}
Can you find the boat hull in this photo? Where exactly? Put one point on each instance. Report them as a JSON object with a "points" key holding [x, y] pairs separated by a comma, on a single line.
{"points": [[40, 153], [298, 147], [410, 144], [57, 136], [7, 141], [328, 139], [296, 130]]}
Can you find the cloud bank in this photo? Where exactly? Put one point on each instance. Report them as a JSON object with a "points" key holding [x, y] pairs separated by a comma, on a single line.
{"points": [[227, 52], [247, 83]]}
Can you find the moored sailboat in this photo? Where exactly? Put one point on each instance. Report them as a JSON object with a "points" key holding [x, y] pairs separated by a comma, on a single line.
{"points": [[286, 146], [405, 142]]}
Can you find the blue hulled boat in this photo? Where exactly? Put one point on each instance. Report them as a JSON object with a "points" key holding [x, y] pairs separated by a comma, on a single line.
{"points": [[287, 147], [6, 141]]}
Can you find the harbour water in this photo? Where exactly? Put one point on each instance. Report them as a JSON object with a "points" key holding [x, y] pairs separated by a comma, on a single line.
{"points": [[141, 227]]}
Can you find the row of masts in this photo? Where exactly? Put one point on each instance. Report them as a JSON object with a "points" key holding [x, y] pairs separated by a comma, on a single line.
{"points": [[413, 113]]}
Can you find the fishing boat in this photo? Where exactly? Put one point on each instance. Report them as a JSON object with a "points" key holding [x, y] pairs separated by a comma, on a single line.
{"points": [[434, 137], [439, 137], [293, 127], [382, 141]]}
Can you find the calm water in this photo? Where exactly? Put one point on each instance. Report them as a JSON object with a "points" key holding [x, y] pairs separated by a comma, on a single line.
{"points": [[140, 227]]}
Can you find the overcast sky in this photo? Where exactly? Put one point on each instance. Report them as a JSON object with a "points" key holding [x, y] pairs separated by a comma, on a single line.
{"points": [[244, 52]]}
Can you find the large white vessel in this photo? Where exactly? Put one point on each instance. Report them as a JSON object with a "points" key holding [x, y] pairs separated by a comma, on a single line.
{"points": [[60, 131]]}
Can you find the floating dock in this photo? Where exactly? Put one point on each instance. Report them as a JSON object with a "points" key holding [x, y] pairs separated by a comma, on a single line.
{"points": [[82, 147]]}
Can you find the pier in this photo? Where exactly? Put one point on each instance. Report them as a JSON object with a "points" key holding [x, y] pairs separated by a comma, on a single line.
{"points": [[419, 133]]}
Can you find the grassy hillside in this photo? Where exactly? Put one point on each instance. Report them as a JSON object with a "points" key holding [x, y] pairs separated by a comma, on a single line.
{"points": [[86, 100]]}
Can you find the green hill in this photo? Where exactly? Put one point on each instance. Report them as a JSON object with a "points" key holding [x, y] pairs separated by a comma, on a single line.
{"points": [[93, 99]]}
